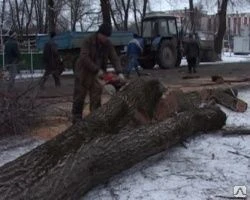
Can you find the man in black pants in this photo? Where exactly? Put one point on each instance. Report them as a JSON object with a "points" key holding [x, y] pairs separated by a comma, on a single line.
{"points": [[52, 63], [192, 54]]}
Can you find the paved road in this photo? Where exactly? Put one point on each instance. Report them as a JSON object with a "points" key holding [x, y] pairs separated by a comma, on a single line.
{"points": [[171, 78]]}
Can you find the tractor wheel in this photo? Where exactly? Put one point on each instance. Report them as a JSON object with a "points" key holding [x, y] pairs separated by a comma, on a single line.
{"points": [[167, 55]]}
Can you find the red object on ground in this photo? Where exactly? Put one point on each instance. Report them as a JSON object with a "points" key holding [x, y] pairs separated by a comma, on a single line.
{"points": [[113, 79], [109, 77]]}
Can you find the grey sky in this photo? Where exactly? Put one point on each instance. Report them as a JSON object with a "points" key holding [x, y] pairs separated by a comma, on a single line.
{"points": [[209, 6]]}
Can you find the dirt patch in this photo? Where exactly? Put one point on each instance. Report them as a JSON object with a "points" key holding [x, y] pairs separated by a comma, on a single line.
{"points": [[58, 118]]}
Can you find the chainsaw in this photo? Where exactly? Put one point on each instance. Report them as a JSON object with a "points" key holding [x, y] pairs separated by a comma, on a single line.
{"points": [[110, 81]]}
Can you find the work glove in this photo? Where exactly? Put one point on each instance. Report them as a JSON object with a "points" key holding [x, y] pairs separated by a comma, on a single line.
{"points": [[121, 77], [100, 74]]}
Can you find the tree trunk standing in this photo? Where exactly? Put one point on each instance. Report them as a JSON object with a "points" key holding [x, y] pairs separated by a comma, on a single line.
{"points": [[191, 10], [3, 13], [135, 17], [105, 7], [126, 13], [144, 9], [29, 11], [56, 169], [51, 16], [218, 41], [2, 23]]}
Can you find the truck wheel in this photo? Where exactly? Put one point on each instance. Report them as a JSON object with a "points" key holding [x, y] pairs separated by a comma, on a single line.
{"points": [[167, 55]]}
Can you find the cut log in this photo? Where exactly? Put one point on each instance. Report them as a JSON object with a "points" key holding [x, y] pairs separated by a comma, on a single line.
{"points": [[235, 131], [220, 79], [174, 102], [229, 101], [217, 79], [54, 171], [191, 77], [177, 101]]}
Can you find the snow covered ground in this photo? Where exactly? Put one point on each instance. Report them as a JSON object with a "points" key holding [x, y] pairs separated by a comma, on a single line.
{"points": [[207, 168], [226, 57]]}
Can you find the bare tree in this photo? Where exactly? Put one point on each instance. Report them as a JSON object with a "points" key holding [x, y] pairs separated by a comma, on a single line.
{"points": [[139, 11], [192, 14], [79, 10], [105, 8], [51, 15], [3, 11], [29, 6], [120, 13], [222, 27], [17, 14], [75, 12], [41, 16]]}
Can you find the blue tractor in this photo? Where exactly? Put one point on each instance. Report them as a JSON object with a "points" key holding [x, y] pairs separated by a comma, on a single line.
{"points": [[164, 44]]}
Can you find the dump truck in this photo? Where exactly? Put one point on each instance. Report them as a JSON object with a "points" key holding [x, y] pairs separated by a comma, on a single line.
{"points": [[164, 43], [69, 43]]}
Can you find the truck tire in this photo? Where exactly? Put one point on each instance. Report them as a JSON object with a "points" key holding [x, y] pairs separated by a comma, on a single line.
{"points": [[167, 55]]}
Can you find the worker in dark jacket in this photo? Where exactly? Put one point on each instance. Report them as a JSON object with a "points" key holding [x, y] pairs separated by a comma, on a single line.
{"points": [[134, 50], [52, 62], [192, 54], [95, 52], [12, 58]]}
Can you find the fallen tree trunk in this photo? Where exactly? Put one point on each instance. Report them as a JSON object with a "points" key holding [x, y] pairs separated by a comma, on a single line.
{"points": [[229, 101], [235, 131], [177, 101], [51, 170], [94, 162]]}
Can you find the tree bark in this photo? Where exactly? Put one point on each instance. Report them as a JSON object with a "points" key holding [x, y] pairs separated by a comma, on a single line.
{"points": [[54, 170], [222, 27], [76, 168], [191, 10], [177, 101], [105, 7], [229, 101], [51, 15]]}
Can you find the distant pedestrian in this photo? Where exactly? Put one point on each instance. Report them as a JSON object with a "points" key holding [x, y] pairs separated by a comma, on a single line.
{"points": [[192, 54], [134, 50], [52, 62], [12, 58]]}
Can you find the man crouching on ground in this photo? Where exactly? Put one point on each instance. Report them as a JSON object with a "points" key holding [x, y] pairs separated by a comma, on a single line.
{"points": [[94, 55]]}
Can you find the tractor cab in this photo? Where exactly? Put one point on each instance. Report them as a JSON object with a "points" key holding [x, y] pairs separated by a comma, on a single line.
{"points": [[159, 24], [160, 34]]}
